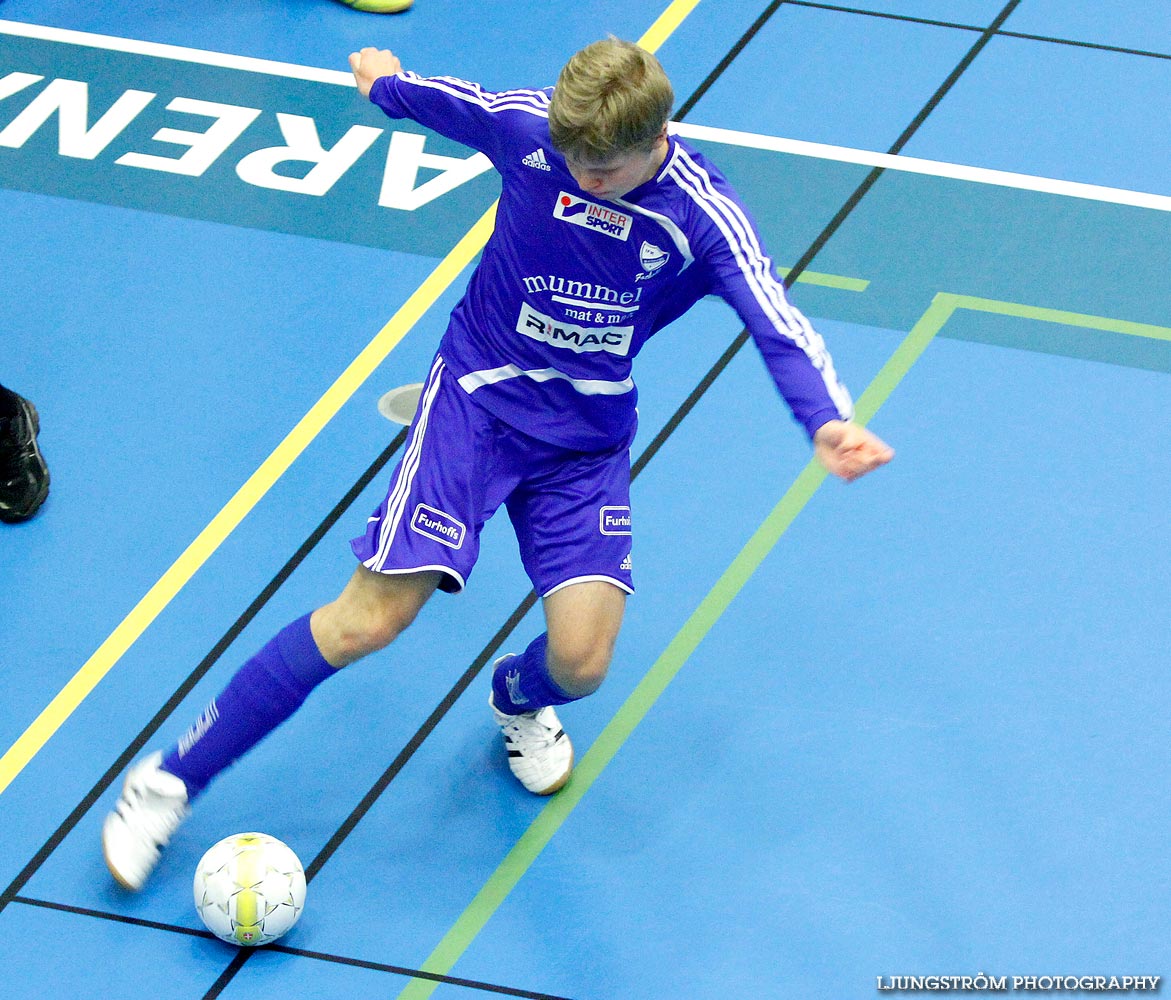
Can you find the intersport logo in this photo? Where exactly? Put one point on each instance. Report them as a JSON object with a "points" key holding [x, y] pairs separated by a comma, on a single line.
{"points": [[590, 215]]}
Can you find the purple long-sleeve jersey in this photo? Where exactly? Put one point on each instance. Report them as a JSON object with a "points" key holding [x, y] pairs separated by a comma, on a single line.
{"points": [[569, 288]]}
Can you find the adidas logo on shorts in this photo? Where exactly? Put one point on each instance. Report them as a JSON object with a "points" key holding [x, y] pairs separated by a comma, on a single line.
{"points": [[626, 564], [536, 160]]}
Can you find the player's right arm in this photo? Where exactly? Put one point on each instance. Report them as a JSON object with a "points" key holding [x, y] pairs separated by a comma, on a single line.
{"points": [[454, 108], [371, 64]]}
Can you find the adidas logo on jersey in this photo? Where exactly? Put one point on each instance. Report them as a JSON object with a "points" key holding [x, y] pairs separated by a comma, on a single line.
{"points": [[536, 159], [626, 564]]}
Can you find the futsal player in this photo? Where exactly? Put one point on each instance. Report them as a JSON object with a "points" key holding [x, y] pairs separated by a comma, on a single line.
{"points": [[609, 227]]}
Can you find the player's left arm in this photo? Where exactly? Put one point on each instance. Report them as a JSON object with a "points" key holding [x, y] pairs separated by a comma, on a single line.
{"points": [[804, 372], [849, 450], [793, 351]]}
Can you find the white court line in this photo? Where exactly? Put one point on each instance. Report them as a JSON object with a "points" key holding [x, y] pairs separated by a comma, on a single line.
{"points": [[177, 53], [797, 147], [936, 168]]}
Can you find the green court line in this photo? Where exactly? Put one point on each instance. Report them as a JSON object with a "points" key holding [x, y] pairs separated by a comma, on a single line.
{"points": [[661, 673], [828, 280], [549, 820], [1083, 320]]}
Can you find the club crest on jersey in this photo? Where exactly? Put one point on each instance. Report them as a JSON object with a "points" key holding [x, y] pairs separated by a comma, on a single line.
{"points": [[652, 258], [437, 524], [590, 215]]}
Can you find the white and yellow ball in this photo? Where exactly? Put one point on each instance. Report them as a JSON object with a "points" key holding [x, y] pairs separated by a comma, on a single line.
{"points": [[249, 889]]}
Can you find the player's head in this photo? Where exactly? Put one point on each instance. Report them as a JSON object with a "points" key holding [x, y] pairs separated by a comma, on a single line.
{"points": [[610, 106]]}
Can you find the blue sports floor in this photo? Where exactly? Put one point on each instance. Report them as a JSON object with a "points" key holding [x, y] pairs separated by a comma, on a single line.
{"points": [[914, 726]]}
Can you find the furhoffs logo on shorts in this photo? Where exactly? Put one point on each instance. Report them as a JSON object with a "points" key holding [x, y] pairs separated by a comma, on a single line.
{"points": [[614, 520], [437, 525]]}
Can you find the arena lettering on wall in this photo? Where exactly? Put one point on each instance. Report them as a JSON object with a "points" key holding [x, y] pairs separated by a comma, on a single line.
{"points": [[301, 156]]}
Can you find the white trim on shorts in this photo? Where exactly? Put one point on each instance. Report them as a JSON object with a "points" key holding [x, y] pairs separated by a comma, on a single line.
{"points": [[408, 570], [589, 579], [396, 504]]}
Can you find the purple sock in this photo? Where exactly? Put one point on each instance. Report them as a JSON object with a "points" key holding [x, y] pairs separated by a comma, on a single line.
{"points": [[522, 683], [260, 696]]}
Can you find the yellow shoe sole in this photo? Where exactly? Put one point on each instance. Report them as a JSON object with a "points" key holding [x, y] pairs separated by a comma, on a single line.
{"points": [[379, 6]]}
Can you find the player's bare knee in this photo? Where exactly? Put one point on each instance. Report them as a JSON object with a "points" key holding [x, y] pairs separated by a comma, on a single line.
{"points": [[345, 634], [579, 667], [345, 645]]}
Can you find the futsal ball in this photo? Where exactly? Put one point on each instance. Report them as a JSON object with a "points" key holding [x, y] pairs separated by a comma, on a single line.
{"points": [[249, 889]]}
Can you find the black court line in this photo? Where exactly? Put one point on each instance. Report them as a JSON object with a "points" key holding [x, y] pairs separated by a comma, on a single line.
{"points": [[1086, 45], [421, 734], [900, 142], [1076, 43], [185, 688], [841, 9], [686, 107], [11, 893], [320, 956]]}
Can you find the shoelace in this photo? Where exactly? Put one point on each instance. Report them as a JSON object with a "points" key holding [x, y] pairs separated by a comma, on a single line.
{"points": [[534, 731]]}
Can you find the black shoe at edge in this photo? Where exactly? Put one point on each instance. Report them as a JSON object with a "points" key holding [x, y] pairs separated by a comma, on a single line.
{"points": [[24, 477]]}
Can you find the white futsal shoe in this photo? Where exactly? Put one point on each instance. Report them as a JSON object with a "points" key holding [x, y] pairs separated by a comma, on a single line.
{"points": [[152, 805], [539, 752]]}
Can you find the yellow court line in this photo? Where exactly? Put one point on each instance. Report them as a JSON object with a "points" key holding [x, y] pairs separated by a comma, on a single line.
{"points": [[666, 23], [262, 480], [238, 507]]}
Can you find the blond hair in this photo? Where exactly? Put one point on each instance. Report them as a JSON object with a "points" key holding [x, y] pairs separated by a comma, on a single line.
{"points": [[611, 98]]}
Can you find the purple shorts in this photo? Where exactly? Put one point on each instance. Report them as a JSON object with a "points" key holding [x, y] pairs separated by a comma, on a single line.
{"points": [[570, 509]]}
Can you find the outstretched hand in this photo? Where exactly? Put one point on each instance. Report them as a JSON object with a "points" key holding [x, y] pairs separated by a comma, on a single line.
{"points": [[848, 450], [370, 64]]}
